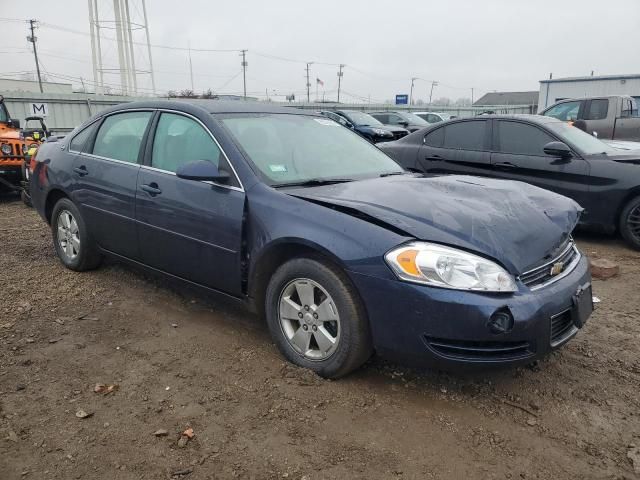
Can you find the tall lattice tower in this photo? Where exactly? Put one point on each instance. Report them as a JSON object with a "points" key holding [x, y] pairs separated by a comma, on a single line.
{"points": [[120, 47]]}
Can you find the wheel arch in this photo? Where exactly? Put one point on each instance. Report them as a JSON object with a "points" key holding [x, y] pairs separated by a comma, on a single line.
{"points": [[53, 197], [276, 254]]}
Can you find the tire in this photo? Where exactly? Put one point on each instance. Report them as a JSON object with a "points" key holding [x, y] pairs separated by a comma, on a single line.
{"points": [[26, 199], [630, 223], [335, 311], [73, 243]]}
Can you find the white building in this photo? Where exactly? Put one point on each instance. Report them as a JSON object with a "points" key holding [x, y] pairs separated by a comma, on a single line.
{"points": [[29, 86], [556, 89]]}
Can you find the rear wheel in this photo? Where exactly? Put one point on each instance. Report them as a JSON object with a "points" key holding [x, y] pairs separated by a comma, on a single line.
{"points": [[71, 239], [630, 223], [316, 318]]}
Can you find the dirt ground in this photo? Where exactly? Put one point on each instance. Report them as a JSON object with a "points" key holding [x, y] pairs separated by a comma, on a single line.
{"points": [[182, 360]]}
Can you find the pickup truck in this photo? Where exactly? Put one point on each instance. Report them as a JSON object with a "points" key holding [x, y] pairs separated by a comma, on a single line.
{"points": [[608, 118]]}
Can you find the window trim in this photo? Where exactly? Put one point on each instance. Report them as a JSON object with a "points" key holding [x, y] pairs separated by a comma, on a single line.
{"points": [[152, 135]]}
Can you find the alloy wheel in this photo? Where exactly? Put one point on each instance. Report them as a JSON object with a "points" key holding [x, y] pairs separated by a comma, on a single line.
{"points": [[68, 235], [309, 319], [633, 222]]}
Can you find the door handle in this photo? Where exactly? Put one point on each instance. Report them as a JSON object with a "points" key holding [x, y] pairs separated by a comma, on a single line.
{"points": [[434, 158], [505, 165], [151, 188], [81, 170]]}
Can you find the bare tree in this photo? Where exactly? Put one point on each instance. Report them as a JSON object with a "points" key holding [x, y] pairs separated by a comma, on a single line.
{"points": [[187, 93], [208, 93]]}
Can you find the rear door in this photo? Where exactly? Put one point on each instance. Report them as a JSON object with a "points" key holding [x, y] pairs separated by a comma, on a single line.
{"points": [[190, 229], [459, 147], [519, 155], [105, 171]]}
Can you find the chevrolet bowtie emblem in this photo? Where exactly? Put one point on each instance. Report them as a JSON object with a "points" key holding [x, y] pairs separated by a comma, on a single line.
{"points": [[557, 268]]}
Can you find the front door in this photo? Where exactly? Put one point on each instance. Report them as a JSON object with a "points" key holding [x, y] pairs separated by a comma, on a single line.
{"points": [[519, 155], [190, 229], [105, 171]]}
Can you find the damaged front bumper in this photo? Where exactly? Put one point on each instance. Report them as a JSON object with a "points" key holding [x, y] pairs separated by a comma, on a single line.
{"points": [[443, 328]]}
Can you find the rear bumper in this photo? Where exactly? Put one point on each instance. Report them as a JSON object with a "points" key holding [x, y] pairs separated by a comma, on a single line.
{"points": [[442, 328]]}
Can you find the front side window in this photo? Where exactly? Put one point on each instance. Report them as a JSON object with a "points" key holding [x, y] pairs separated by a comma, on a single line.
{"points": [[179, 140], [288, 148], [431, 118], [4, 117], [120, 136], [597, 109], [465, 135], [394, 119], [361, 118], [567, 112], [522, 139]]}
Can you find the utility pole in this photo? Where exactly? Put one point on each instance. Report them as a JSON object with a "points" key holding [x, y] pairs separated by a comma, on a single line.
{"points": [[32, 38], [244, 71], [190, 66], [308, 83], [433, 84], [472, 96], [340, 74], [411, 93]]}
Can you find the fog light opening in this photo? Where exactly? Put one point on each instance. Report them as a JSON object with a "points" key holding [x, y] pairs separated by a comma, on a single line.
{"points": [[501, 321]]}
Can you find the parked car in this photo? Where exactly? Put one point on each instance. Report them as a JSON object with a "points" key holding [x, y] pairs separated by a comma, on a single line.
{"points": [[366, 126], [434, 117], [343, 251], [539, 150], [406, 120], [613, 118]]}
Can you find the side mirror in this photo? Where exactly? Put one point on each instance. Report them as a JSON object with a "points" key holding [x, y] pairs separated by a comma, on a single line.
{"points": [[13, 123], [403, 123], [558, 149], [202, 170]]}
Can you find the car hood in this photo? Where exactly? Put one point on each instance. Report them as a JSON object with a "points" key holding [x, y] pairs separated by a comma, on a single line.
{"points": [[515, 223]]}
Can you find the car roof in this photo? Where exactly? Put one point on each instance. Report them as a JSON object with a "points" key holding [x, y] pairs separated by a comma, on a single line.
{"points": [[539, 119], [212, 106]]}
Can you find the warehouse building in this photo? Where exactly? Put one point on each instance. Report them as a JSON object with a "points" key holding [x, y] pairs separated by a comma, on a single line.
{"points": [[556, 89], [31, 86]]}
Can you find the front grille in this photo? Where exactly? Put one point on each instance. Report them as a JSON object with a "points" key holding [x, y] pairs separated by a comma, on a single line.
{"points": [[474, 350], [551, 271], [16, 152], [562, 328]]}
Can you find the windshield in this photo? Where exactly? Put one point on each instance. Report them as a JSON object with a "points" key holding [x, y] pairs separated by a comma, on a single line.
{"points": [[413, 118], [585, 143], [298, 148], [361, 118]]}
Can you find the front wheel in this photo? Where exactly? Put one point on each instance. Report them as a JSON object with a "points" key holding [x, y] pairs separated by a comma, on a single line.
{"points": [[316, 318], [630, 223], [71, 238]]}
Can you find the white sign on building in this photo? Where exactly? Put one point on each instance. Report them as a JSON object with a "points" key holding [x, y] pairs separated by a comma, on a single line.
{"points": [[39, 109]]}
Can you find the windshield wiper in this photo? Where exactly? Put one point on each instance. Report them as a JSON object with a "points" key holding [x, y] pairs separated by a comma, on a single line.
{"points": [[389, 174], [314, 182]]}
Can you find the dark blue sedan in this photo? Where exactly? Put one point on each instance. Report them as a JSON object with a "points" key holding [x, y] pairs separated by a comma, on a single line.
{"points": [[339, 248]]}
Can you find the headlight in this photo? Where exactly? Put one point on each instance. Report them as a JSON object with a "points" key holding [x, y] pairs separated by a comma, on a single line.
{"points": [[6, 149], [447, 267], [379, 131]]}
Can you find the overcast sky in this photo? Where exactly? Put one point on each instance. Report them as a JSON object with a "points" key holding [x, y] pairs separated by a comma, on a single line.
{"points": [[489, 44]]}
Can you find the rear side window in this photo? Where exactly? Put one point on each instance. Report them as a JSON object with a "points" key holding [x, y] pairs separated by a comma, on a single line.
{"points": [[465, 135], [381, 117], [180, 140], [120, 136], [79, 141], [566, 112], [521, 139], [431, 118], [597, 109], [434, 138]]}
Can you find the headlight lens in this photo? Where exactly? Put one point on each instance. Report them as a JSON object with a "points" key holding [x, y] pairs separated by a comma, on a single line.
{"points": [[447, 267], [6, 149], [379, 131]]}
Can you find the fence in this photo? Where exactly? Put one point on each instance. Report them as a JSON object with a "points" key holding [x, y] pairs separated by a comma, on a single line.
{"points": [[63, 112]]}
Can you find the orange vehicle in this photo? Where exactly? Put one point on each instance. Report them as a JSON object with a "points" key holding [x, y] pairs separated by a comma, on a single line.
{"points": [[15, 145]]}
